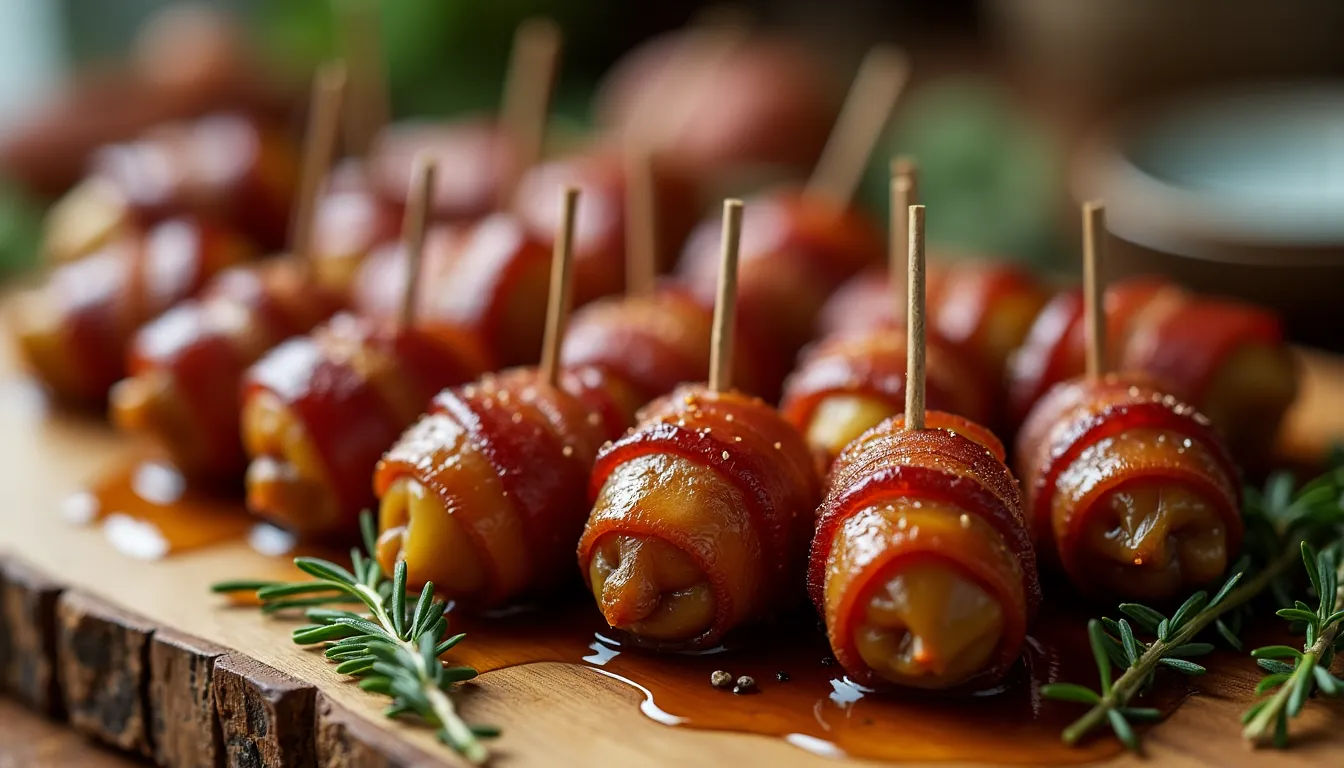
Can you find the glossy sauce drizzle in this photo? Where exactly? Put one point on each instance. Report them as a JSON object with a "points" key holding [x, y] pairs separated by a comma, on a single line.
{"points": [[147, 510], [814, 706]]}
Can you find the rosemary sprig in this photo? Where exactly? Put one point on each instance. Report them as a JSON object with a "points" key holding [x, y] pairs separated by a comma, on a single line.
{"points": [[1278, 523], [392, 648], [1305, 670]]}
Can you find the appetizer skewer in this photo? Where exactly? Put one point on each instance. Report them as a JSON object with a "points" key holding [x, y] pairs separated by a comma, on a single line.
{"points": [[1128, 489], [484, 495], [320, 409], [74, 330], [852, 380], [657, 335], [227, 168], [482, 158], [186, 366], [922, 566], [982, 310], [702, 512], [1228, 359], [799, 245]]}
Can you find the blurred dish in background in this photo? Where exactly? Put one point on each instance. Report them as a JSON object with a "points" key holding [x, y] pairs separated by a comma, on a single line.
{"points": [[1235, 192]]}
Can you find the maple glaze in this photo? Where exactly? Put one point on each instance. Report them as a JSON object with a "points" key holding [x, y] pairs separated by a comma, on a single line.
{"points": [[817, 709], [150, 510]]}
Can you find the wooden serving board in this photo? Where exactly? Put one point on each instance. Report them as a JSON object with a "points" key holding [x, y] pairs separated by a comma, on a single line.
{"points": [[138, 654]]}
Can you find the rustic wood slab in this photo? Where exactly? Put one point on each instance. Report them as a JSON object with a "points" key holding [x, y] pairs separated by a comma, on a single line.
{"points": [[28, 636], [265, 715], [184, 720], [102, 654], [274, 700]]}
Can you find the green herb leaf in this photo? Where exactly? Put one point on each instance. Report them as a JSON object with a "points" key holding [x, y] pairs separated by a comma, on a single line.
{"points": [[1147, 618], [1070, 692], [1181, 665], [1127, 640]]}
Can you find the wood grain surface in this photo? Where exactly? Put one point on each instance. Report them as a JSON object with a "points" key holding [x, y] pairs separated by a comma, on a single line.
{"points": [[276, 701]]}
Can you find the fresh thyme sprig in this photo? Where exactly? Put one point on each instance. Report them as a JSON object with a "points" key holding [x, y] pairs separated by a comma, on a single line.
{"points": [[1267, 720], [394, 651], [1278, 523]]}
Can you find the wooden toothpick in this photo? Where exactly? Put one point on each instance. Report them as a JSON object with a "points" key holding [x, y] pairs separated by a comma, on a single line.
{"points": [[557, 306], [527, 98], [420, 202], [1094, 302], [904, 193], [319, 144], [881, 77], [914, 324], [725, 304], [367, 106], [641, 221]]}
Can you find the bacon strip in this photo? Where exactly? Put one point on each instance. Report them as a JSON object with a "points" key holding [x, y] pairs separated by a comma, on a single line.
{"points": [[204, 346], [794, 253], [99, 301], [955, 462], [873, 365], [348, 413], [540, 441], [1079, 417], [745, 441]]}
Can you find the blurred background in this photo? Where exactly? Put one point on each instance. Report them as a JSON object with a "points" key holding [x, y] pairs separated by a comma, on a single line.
{"points": [[1213, 128]]}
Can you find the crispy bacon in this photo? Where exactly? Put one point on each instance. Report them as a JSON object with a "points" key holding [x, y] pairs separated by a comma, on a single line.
{"points": [[742, 440], [1069, 460], [953, 462], [872, 365], [600, 229], [794, 253], [226, 167], [353, 385], [75, 330], [539, 441], [490, 277], [190, 361]]}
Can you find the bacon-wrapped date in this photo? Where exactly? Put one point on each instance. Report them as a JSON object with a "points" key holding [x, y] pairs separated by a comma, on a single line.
{"points": [[485, 495], [186, 366], [848, 383], [226, 167], [352, 220], [1227, 359], [474, 152], [984, 308], [319, 410], [1128, 489], [794, 252], [74, 330], [922, 566], [654, 342], [714, 102], [700, 520], [599, 231], [491, 277]]}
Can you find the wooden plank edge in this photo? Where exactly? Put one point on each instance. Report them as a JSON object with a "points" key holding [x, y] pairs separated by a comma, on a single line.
{"points": [[28, 669], [346, 740], [102, 658], [184, 722], [266, 717]]}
